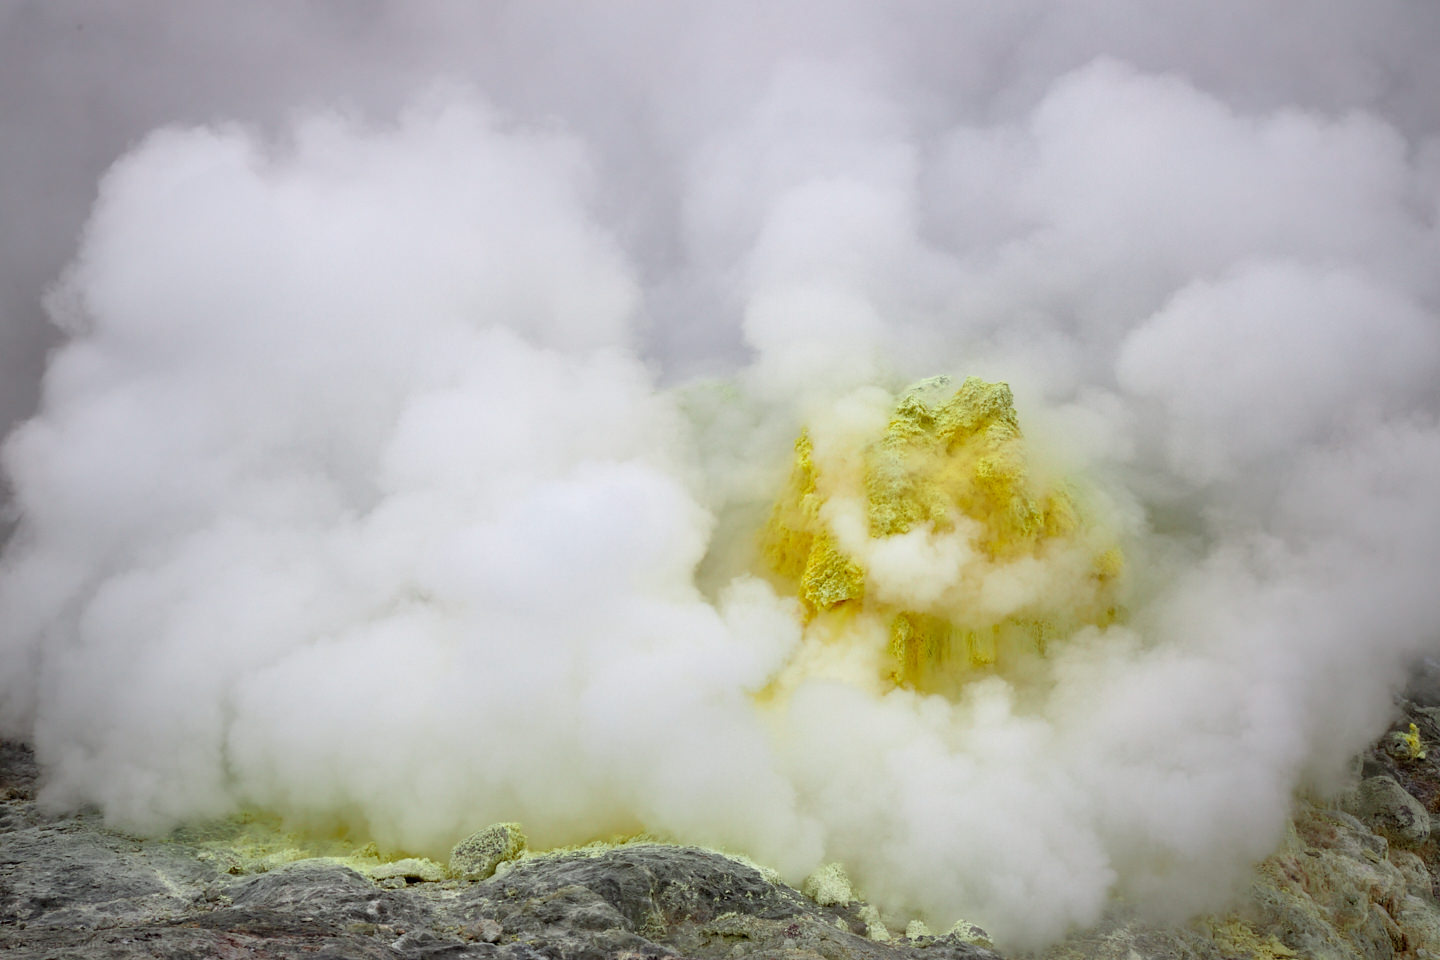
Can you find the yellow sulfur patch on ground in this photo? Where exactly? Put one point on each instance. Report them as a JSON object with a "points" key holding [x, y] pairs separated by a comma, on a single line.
{"points": [[1237, 939]]}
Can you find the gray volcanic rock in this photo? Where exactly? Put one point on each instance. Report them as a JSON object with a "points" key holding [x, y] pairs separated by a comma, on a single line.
{"points": [[1335, 888], [1389, 810], [69, 872], [70, 887], [655, 900]]}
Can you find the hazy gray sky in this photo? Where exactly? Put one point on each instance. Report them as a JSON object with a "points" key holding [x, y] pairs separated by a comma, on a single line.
{"points": [[645, 84]]}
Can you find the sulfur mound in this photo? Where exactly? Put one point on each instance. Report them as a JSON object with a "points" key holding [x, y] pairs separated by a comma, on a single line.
{"points": [[965, 552]]}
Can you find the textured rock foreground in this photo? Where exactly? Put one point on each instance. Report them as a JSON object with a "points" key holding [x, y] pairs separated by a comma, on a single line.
{"points": [[68, 887], [1354, 879]]}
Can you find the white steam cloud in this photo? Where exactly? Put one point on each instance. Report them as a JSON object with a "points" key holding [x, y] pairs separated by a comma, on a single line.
{"points": [[372, 481]]}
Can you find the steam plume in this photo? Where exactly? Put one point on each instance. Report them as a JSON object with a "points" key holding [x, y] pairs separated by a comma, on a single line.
{"points": [[405, 456]]}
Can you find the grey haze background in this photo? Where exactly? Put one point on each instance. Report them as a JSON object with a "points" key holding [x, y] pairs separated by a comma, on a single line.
{"points": [[396, 329], [80, 81]]}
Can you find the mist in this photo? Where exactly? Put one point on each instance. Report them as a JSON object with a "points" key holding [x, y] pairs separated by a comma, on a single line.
{"points": [[394, 396]]}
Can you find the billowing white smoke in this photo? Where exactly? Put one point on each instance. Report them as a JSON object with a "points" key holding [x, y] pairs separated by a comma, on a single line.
{"points": [[368, 539], [350, 498]]}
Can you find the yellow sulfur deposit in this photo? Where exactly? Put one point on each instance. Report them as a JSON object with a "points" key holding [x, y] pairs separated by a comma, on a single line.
{"points": [[950, 468], [799, 547], [1414, 748], [1235, 938]]}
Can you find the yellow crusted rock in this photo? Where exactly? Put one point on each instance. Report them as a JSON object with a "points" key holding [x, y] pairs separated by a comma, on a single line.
{"points": [[1414, 748], [949, 463]]}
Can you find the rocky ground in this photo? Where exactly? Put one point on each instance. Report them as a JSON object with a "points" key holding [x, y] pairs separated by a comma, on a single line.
{"points": [[1353, 879]]}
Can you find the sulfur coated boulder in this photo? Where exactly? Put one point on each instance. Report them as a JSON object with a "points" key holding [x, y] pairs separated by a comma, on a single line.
{"points": [[829, 886], [941, 533], [477, 856]]}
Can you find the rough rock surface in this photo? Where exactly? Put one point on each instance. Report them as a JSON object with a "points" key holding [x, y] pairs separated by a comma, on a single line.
{"points": [[477, 856], [69, 887], [1346, 883], [1388, 809]]}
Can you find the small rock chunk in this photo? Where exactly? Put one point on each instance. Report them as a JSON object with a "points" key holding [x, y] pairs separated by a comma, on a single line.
{"points": [[409, 869], [477, 856], [1388, 809], [829, 886], [484, 930]]}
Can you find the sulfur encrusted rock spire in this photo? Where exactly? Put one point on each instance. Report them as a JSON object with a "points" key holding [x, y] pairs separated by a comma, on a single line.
{"points": [[949, 468]]}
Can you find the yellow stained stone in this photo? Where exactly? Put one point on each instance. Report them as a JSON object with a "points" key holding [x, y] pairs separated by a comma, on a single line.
{"points": [[1414, 747], [949, 462]]}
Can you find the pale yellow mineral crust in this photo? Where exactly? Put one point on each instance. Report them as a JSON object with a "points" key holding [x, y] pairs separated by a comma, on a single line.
{"points": [[950, 462], [799, 548]]}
